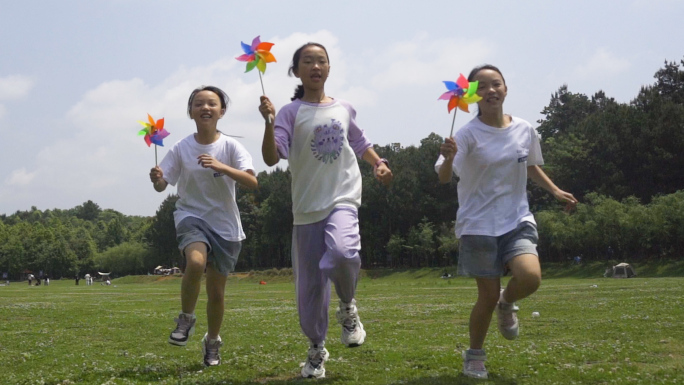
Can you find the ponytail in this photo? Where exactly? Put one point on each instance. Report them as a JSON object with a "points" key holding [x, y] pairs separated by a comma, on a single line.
{"points": [[299, 92]]}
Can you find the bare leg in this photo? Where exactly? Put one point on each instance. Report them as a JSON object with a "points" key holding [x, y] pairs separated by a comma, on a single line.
{"points": [[216, 286], [526, 278], [481, 315], [196, 260]]}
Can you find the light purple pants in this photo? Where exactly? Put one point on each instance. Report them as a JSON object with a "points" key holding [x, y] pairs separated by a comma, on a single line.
{"points": [[322, 252]]}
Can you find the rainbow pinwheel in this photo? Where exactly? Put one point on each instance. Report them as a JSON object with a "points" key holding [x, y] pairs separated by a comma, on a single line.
{"points": [[460, 94], [257, 55], [154, 133]]}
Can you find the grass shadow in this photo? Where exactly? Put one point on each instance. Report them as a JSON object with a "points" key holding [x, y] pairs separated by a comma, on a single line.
{"points": [[459, 379]]}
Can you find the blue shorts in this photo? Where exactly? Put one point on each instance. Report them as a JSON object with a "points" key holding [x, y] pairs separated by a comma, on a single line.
{"points": [[221, 254], [486, 257]]}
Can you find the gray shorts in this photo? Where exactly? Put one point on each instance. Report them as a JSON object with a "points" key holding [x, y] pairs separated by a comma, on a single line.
{"points": [[484, 256], [221, 254]]}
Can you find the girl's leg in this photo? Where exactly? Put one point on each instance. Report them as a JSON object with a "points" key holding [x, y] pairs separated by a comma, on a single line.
{"points": [[526, 277], [216, 286], [341, 261], [196, 261], [311, 285], [481, 315]]}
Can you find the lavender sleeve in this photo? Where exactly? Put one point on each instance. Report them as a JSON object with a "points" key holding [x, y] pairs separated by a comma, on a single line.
{"points": [[357, 139], [284, 128]]}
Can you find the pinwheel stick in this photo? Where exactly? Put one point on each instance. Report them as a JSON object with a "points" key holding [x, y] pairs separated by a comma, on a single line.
{"points": [[155, 155], [452, 123], [268, 119]]}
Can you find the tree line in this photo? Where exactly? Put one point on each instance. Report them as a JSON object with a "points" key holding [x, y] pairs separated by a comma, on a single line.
{"points": [[623, 161]]}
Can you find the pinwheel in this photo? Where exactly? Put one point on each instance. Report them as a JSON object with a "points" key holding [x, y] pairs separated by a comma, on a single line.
{"points": [[154, 133], [257, 55], [460, 94]]}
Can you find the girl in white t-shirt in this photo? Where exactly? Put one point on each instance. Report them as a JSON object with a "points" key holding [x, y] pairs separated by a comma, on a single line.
{"points": [[319, 137], [206, 165], [493, 155]]}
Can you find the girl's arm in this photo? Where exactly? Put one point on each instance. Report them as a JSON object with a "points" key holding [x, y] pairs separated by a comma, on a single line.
{"points": [[539, 177], [380, 166], [245, 178], [269, 149]]}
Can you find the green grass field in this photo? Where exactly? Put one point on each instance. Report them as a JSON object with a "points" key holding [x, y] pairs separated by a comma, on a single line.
{"points": [[591, 331]]}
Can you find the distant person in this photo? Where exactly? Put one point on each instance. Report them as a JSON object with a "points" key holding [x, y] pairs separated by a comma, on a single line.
{"points": [[206, 166], [46, 280], [493, 155], [321, 141], [77, 278], [89, 279]]}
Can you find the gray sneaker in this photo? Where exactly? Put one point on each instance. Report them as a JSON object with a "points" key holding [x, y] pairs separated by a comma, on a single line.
{"points": [[353, 333], [473, 364], [185, 327], [507, 320], [210, 351], [314, 367]]}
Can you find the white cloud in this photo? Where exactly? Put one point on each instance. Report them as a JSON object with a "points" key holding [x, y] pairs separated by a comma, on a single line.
{"points": [[420, 60], [20, 177], [602, 63], [15, 87], [3, 111], [101, 157]]}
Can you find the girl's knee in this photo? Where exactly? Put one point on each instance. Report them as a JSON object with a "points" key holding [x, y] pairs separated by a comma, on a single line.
{"points": [[531, 280], [215, 295], [339, 256]]}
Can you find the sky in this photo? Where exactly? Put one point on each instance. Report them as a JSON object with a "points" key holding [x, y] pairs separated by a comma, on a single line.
{"points": [[76, 76]]}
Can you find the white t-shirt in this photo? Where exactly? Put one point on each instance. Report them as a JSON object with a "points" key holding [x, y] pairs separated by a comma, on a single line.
{"points": [[492, 166], [321, 142], [205, 193]]}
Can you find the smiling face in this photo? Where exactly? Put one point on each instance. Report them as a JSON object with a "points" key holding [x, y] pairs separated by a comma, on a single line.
{"points": [[313, 67], [492, 88], [205, 108]]}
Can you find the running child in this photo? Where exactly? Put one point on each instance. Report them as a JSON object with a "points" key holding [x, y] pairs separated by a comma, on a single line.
{"points": [[493, 155], [206, 165], [319, 137]]}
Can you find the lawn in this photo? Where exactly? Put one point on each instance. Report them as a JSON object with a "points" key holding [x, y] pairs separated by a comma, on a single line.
{"points": [[590, 330]]}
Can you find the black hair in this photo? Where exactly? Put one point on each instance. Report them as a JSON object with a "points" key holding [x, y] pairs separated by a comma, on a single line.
{"points": [[225, 100], [294, 66], [484, 67]]}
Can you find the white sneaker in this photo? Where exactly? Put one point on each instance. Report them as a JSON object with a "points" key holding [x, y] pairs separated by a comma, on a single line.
{"points": [[507, 319], [314, 367], [353, 333], [473, 364], [210, 350]]}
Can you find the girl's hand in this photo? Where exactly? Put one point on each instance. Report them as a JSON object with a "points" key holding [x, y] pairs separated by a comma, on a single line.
{"points": [[156, 175], [569, 199], [208, 161], [448, 149], [384, 174], [267, 110]]}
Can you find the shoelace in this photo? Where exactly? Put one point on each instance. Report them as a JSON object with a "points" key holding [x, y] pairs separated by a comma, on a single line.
{"points": [[183, 324], [349, 321], [508, 317], [316, 359], [476, 365], [212, 350]]}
